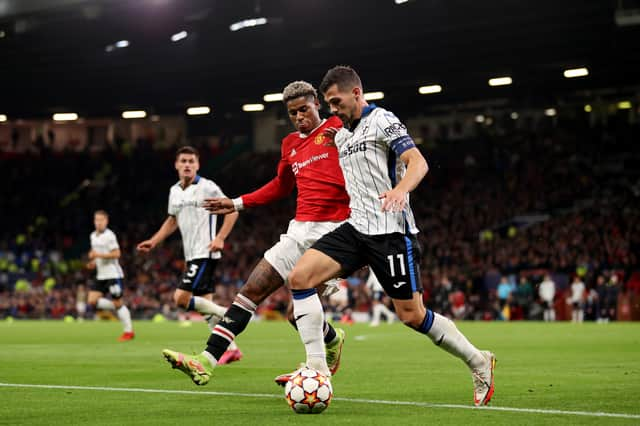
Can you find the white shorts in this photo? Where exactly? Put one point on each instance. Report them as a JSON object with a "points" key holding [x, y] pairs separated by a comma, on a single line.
{"points": [[299, 237]]}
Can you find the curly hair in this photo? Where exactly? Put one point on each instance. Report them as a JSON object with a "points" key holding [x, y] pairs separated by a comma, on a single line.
{"points": [[297, 89]]}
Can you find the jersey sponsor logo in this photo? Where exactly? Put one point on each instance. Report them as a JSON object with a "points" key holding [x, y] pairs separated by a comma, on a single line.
{"points": [[299, 165], [395, 130], [179, 205], [352, 149]]}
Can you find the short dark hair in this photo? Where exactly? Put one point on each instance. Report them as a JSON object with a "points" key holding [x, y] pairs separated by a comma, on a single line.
{"points": [[342, 75], [187, 150], [101, 212]]}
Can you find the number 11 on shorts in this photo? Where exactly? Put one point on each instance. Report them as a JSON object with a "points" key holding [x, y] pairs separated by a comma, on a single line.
{"points": [[392, 267]]}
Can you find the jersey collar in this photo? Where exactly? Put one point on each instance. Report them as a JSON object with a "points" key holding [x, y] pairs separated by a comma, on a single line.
{"points": [[365, 111], [195, 181]]}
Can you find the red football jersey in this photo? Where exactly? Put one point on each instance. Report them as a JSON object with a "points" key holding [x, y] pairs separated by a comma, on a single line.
{"points": [[311, 163]]}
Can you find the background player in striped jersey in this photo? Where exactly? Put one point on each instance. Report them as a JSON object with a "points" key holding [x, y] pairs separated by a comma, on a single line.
{"points": [[202, 244], [104, 256], [308, 160], [381, 165]]}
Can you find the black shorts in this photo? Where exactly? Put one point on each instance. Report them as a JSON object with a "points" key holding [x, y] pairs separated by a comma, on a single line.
{"points": [[114, 287], [394, 258], [198, 278]]}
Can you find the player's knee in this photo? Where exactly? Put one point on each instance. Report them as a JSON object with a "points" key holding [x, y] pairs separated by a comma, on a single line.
{"points": [[182, 299], [298, 279]]}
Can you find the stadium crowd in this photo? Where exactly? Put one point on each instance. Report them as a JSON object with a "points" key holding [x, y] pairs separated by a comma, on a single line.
{"points": [[530, 201]]}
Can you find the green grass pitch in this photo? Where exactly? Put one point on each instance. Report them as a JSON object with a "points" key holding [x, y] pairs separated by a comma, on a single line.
{"points": [[580, 369]]}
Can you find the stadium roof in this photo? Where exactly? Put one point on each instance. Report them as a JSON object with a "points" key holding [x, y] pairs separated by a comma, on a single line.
{"points": [[64, 54]]}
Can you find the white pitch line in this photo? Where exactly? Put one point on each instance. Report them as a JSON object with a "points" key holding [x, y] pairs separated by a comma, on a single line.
{"points": [[357, 400]]}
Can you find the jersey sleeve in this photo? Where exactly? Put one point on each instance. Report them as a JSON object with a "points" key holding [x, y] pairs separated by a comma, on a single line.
{"points": [[112, 242], [392, 132], [170, 210], [276, 188], [213, 190]]}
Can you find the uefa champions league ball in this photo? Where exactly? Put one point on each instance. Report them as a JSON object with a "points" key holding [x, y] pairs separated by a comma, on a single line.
{"points": [[308, 391]]}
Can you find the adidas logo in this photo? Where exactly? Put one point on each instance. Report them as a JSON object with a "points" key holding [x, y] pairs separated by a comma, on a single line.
{"points": [[293, 152]]}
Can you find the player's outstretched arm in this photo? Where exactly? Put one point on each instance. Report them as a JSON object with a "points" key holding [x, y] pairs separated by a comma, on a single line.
{"points": [[219, 205], [168, 227], [417, 168]]}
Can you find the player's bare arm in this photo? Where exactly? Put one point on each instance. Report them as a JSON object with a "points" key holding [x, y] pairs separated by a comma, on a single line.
{"points": [[168, 227], [417, 168], [113, 254], [217, 244]]}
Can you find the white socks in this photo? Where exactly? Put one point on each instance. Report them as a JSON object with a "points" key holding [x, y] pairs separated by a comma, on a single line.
{"points": [[104, 303], [444, 333], [123, 313], [125, 318], [380, 309], [309, 316], [207, 307], [212, 312]]}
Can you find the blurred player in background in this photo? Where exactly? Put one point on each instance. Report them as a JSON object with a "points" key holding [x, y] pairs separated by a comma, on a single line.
{"points": [[547, 293], [104, 256], [309, 160], [202, 244], [381, 165], [576, 300], [378, 307]]}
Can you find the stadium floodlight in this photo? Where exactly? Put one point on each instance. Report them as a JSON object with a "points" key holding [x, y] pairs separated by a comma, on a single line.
{"points": [[253, 107], [514, 115], [588, 108], [373, 96], [401, 1], [246, 23], [272, 97], [179, 36], [624, 105], [426, 90], [3, 118], [550, 112], [2, 34], [65, 116], [479, 118], [500, 81], [199, 110], [122, 43], [576, 72], [134, 114]]}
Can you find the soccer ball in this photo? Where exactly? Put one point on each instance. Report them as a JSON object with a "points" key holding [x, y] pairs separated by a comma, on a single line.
{"points": [[308, 391]]}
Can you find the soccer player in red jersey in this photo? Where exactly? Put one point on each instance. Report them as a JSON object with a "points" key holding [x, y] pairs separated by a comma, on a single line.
{"points": [[309, 160]]}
